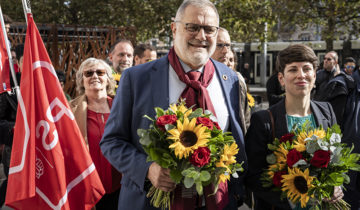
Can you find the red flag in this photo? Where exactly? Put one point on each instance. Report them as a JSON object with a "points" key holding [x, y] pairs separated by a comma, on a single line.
{"points": [[4, 65], [50, 165]]}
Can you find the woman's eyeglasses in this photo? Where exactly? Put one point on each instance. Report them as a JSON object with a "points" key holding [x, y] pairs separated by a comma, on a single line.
{"points": [[90, 73]]}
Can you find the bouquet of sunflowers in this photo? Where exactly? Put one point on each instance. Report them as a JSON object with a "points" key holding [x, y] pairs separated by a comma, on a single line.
{"points": [[190, 144], [306, 165]]}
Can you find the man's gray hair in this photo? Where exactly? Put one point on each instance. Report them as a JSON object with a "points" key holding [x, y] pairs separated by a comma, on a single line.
{"points": [[197, 3], [336, 57], [223, 29]]}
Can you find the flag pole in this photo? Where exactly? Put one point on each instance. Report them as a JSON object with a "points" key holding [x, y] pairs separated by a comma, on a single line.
{"points": [[11, 65], [26, 8]]}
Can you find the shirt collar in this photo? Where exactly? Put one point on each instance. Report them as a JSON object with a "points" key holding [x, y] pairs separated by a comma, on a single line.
{"points": [[187, 68]]}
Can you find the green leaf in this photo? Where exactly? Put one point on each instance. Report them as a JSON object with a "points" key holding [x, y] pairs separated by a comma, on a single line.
{"points": [[169, 127], [272, 147], [346, 178], [154, 156], [145, 139], [188, 182], [205, 176], [141, 132], [197, 113], [194, 174], [336, 179], [213, 149], [176, 176], [271, 158], [147, 117], [199, 188], [159, 111]]}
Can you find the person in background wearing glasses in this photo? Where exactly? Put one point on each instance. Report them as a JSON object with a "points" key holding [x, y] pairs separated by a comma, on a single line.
{"points": [[161, 83], [223, 46], [349, 65], [95, 84], [333, 85], [223, 53], [144, 53]]}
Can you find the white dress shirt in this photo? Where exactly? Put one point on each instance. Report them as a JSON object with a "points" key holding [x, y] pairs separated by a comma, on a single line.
{"points": [[176, 87]]}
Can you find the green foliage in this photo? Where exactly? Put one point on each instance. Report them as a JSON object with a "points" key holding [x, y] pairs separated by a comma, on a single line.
{"points": [[197, 113], [244, 19], [159, 111], [335, 17]]}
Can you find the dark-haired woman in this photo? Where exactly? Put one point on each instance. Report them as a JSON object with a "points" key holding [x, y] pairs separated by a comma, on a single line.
{"points": [[297, 73]]}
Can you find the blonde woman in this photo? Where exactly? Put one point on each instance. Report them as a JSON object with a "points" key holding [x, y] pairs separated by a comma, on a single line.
{"points": [[91, 109]]}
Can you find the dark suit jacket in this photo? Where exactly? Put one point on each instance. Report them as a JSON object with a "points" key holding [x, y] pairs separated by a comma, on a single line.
{"points": [[142, 88], [260, 134]]}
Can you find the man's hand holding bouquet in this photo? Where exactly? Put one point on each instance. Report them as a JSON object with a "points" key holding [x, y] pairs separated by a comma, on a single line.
{"points": [[191, 147]]}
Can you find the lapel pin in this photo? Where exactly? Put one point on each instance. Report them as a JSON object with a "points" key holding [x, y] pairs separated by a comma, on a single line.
{"points": [[224, 77]]}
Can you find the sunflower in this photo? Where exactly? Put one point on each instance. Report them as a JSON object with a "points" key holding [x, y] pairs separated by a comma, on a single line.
{"points": [[300, 141], [228, 156], [188, 137], [223, 177], [181, 108], [116, 77], [251, 100], [271, 170], [281, 154], [297, 185]]}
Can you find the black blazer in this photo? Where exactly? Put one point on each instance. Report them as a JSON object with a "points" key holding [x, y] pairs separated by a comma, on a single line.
{"points": [[257, 138]]}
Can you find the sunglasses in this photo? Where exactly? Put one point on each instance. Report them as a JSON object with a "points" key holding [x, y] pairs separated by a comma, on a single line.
{"points": [[90, 73], [328, 59], [350, 67]]}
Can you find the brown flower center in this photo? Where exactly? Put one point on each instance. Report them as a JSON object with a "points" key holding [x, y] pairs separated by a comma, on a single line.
{"points": [[188, 138], [301, 184]]}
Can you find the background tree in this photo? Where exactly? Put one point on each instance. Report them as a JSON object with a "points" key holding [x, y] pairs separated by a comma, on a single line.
{"points": [[335, 17], [244, 19]]}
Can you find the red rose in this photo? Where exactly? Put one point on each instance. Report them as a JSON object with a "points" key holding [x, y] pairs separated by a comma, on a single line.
{"points": [[321, 159], [292, 157], [200, 157], [205, 122], [287, 137], [217, 125], [164, 120], [277, 178]]}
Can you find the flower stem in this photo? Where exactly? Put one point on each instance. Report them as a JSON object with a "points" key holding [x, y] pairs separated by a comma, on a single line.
{"points": [[159, 198]]}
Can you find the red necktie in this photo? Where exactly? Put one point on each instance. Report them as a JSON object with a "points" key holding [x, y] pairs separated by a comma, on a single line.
{"points": [[195, 92]]}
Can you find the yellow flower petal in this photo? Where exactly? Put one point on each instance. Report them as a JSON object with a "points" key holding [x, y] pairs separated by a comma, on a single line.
{"points": [[187, 137]]}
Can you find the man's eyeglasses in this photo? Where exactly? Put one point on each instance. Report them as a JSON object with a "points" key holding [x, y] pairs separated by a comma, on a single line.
{"points": [[195, 28], [328, 59], [90, 73], [350, 67], [222, 45]]}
